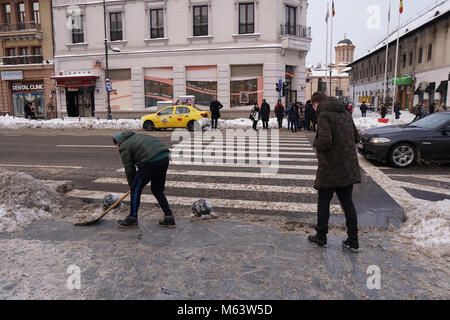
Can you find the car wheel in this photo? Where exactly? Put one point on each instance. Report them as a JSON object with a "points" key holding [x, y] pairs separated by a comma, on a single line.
{"points": [[193, 125], [149, 125], [403, 155]]}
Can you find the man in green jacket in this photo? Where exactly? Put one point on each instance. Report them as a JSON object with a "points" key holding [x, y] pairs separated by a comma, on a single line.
{"points": [[338, 168], [151, 157]]}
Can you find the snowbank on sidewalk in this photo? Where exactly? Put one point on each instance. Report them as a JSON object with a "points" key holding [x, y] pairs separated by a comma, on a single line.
{"points": [[8, 122], [371, 121], [428, 228], [24, 199]]}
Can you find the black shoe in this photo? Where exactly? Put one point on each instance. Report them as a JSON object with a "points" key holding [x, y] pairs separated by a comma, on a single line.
{"points": [[319, 240], [352, 245], [129, 222], [168, 221]]}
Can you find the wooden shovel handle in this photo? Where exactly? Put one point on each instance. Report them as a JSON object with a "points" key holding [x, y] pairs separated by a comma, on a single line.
{"points": [[116, 203]]}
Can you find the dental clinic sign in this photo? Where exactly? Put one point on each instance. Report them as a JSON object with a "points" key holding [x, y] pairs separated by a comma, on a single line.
{"points": [[35, 86]]}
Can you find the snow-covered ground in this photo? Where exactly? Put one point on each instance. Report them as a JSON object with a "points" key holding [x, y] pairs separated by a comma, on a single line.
{"points": [[371, 121]]}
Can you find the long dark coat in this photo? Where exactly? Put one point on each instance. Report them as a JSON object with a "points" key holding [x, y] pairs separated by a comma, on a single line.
{"points": [[265, 112], [214, 107], [335, 143]]}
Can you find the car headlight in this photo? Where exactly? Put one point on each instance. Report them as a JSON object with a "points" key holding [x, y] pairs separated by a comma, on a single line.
{"points": [[379, 140]]}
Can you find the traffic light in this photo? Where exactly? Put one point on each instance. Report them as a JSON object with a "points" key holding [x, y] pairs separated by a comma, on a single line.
{"points": [[278, 87], [285, 89]]}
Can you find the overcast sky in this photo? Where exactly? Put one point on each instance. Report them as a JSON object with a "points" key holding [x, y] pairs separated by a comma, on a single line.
{"points": [[357, 19]]}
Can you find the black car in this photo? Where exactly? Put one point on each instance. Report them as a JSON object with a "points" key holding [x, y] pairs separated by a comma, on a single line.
{"points": [[427, 139]]}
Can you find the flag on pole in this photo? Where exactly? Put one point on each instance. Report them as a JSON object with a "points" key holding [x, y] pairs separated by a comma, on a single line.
{"points": [[334, 10], [401, 6]]}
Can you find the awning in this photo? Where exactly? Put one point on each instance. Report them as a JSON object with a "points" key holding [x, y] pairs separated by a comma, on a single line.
{"points": [[75, 81], [405, 81], [421, 87], [443, 87], [431, 87]]}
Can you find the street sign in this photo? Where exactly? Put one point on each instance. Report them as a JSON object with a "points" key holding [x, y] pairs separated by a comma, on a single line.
{"points": [[108, 86]]}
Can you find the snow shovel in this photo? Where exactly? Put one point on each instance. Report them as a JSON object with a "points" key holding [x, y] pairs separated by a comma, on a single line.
{"points": [[95, 219]]}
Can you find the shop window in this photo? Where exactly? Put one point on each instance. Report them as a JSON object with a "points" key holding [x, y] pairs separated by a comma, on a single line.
{"points": [[204, 91], [116, 31], [200, 21], [156, 23], [246, 18], [35, 98], [77, 29], [157, 90], [244, 92]]}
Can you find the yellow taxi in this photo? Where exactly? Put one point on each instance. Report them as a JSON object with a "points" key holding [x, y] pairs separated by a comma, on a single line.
{"points": [[177, 117]]}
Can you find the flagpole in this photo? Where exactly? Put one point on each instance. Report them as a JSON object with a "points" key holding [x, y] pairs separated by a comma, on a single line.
{"points": [[331, 51], [387, 56], [326, 50], [394, 97]]}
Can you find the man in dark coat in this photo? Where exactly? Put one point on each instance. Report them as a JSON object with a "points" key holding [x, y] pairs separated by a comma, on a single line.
{"points": [[432, 108], [338, 169], [279, 113], [383, 111], [397, 110], [28, 113], [310, 117], [214, 107], [363, 110], [151, 157], [265, 114]]}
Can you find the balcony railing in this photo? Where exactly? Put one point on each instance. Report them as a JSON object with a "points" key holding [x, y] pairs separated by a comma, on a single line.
{"points": [[7, 27], [22, 59], [296, 30]]}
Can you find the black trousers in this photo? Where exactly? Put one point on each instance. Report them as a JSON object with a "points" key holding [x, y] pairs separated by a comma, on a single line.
{"points": [[214, 122], [280, 122], [323, 212], [265, 124], [255, 123], [156, 173]]}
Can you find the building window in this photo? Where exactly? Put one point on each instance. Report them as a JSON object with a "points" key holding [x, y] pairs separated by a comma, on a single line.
{"points": [[24, 51], [430, 52], [36, 51], [115, 19], [7, 14], [10, 52], [156, 23], [420, 55], [200, 21], [410, 58], [36, 15], [390, 65], [77, 29], [291, 20], [246, 18], [21, 15], [404, 60]]}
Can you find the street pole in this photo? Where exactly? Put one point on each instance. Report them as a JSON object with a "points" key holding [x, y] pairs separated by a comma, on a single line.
{"points": [[387, 56], [107, 62], [394, 97], [331, 52]]}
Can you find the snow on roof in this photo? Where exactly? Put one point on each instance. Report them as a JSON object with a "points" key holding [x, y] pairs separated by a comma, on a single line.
{"points": [[411, 25], [326, 73]]}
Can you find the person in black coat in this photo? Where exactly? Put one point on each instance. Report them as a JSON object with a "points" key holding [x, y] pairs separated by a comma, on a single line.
{"points": [[397, 109], [265, 114], [432, 108], [383, 111], [255, 115], [310, 117], [279, 112], [214, 107]]}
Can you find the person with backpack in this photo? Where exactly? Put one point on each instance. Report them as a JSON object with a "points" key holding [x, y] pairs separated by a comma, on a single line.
{"points": [[255, 115], [279, 113]]}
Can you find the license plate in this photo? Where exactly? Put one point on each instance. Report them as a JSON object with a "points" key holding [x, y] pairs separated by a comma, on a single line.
{"points": [[360, 146]]}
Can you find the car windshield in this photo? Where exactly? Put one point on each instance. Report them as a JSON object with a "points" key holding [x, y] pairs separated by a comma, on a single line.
{"points": [[432, 121]]}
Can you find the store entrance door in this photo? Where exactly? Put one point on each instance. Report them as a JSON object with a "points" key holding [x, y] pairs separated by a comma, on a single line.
{"points": [[80, 102]]}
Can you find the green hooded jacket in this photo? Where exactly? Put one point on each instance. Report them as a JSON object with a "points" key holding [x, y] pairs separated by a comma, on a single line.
{"points": [[136, 149], [335, 143]]}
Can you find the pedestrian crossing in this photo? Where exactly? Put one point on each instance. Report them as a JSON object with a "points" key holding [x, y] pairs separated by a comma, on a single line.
{"points": [[240, 185]]}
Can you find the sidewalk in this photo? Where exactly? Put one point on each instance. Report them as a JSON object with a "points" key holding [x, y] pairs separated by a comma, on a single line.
{"points": [[205, 260]]}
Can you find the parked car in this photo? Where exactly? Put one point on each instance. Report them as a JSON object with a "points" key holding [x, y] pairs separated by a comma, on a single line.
{"points": [[177, 117], [402, 146]]}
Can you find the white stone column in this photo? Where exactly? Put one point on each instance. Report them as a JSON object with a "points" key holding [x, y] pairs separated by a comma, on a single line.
{"points": [[300, 82], [179, 81], [137, 88], [223, 85], [272, 73]]}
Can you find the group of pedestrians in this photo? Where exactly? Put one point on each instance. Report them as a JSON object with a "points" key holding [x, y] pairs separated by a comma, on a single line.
{"points": [[298, 116], [420, 111]]}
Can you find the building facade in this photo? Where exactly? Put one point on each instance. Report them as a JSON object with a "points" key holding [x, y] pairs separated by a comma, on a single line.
{"points": [[26, 44], [318, 77], [423, 63], [236, 50]]}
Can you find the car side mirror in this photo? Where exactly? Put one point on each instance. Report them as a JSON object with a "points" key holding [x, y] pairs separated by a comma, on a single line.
{"points": [[159, 113]]}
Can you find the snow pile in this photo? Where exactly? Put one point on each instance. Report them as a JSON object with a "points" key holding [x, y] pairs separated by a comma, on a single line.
{"points": [[428, 228], [24, 199], [8, 122], [243, 123], [372, 121]]}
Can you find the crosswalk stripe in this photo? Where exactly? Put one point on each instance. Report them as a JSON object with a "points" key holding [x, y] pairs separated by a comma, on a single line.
{"points": [[424, 188], [39, 166], [266, 152], [246, 143], [270, 160], [221, 203], [241, 174], [221, 186], [439, 178], [239, 165]]}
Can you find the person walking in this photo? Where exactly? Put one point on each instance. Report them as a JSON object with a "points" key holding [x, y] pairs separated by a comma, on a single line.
{"points": [[301, 114], [294, 117], [255, 115], [27, 110], [288, 109], [432, 108], [215, 107], [265, 114], [338, 167], [383, 111], [363, 109], [151, 157], [279, 112], [417, 110], [397, 110], [442, 108]]}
